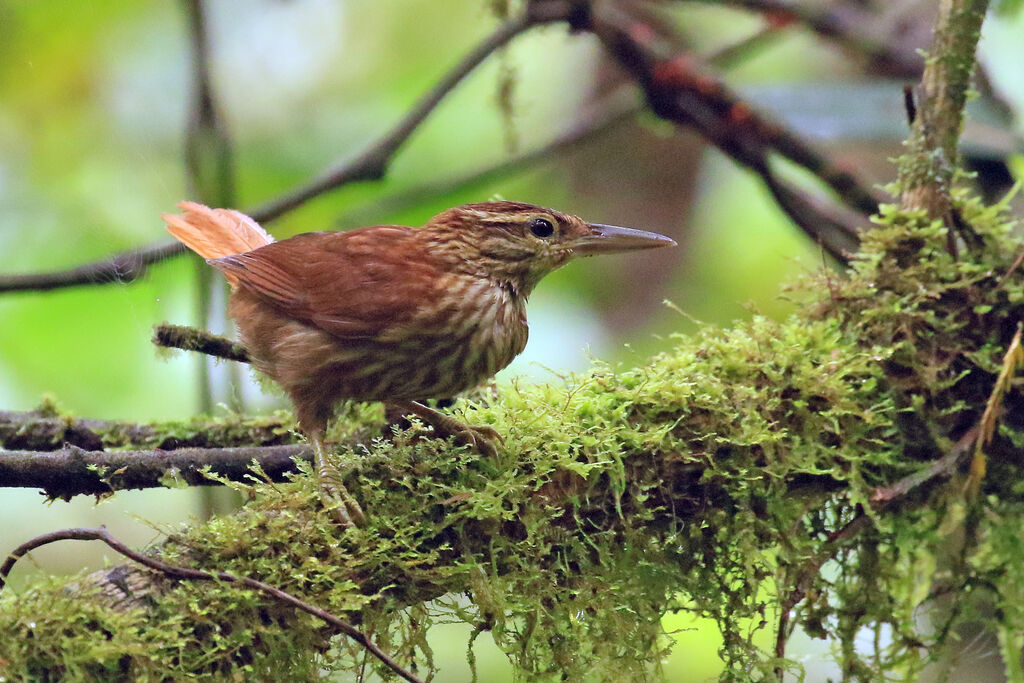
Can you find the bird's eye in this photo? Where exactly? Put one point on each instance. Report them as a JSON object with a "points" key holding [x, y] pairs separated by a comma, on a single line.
{"points": [[542, 227]]}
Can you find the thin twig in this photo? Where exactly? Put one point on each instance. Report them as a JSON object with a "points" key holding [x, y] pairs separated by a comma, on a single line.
{"points": [[189, 574], [193, 339], [804, 577], [845, 28], [1009, 271], [585, 130]]}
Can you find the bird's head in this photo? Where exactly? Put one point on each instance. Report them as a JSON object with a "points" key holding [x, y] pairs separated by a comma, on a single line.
{"points": [[521, 243]]}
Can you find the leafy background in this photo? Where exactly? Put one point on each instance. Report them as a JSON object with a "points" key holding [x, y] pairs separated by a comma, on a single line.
{"points": [[92, 120]]}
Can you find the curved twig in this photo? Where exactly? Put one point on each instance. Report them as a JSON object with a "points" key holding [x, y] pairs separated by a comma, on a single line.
{"points": [[372, 163], [188, 574]]}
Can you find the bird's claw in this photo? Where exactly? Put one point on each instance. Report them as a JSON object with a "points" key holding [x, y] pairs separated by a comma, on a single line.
{"points": [[340, 504], [481, 438]]}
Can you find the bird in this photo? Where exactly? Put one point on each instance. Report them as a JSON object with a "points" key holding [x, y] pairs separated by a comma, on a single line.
{"points": [[388, 312]]}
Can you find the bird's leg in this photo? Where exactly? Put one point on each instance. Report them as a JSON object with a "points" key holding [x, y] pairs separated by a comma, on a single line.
{"points": [[480, 437], [342, 506]]}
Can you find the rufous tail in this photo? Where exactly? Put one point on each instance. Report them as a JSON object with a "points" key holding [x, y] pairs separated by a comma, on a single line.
{"points": [[213, 233]]}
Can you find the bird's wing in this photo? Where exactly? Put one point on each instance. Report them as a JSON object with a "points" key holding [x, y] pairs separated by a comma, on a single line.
{"points": [[366, 283]]}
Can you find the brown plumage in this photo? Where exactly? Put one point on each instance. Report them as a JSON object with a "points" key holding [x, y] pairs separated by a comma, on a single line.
{"points": [[392, 313]]}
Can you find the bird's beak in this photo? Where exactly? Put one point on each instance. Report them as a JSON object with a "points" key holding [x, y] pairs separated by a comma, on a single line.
{"points": [[611, 239]]}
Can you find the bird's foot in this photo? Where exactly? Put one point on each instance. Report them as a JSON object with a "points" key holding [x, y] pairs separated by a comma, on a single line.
{"points": [[481, 438], [340, 504]]}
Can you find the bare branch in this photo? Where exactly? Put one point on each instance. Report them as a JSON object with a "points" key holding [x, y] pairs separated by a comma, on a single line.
{"points": [[189, 574], [124, 267], [845, 24], [585, 130], [373, 163], [678, 93]]}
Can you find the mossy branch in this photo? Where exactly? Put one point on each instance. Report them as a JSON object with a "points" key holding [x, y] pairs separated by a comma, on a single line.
{"points": [[927, 168], [49, 430], [187, 574], [714, 471]]}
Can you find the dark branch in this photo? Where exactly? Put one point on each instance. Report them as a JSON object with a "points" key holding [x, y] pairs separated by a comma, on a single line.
{"points": [[72, 471], [189, 574], [845, 24], [127, 266], [37, 431], [678, 93]]}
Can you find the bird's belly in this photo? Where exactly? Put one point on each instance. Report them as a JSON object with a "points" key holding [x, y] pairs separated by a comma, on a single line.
{"points": [[320, 369], [431, 367]]}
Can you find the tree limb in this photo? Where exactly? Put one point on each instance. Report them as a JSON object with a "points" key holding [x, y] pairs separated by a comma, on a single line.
{"points": [[71, 471], [124, 267], [39, 431], [677, 92]]}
